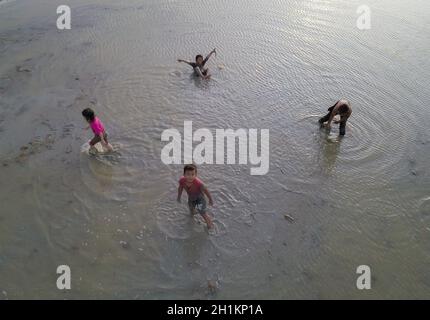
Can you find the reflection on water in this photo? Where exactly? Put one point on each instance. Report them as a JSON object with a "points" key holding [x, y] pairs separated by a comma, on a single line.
{"points": [[329, 151], [114, 219]]}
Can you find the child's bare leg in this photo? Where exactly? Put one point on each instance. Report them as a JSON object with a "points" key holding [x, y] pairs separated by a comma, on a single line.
{"points": [[192, 209], [93, 143], [93, 149], [208, 220], [107, 145]]}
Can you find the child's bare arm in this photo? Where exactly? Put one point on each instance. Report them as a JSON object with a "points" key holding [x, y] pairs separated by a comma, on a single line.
{"points": [[333, 113], [209, 55], [180, 188], [207, 193], [187, 62]]}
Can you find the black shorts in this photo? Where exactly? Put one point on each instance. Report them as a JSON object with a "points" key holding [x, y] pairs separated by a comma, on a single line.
{"points": [[199, 204], [97, 139]]}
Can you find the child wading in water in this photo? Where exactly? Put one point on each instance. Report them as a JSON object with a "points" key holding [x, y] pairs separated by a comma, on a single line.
{"points": [[199, 65], [341, 108], [100, 134], [196, 191]]}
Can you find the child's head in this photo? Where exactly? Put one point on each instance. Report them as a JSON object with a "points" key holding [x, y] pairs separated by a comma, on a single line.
{"points": [[190, 172], [88, 114], [199, 59], [343, 109]]}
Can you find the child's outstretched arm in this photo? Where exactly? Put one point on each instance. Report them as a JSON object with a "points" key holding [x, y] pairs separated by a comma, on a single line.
{"points": [[209, 55], [187, 62], [180, 188], [207, 193]]}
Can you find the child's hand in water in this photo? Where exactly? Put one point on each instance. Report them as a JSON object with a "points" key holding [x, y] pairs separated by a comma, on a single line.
{"points": [[211, 203]]}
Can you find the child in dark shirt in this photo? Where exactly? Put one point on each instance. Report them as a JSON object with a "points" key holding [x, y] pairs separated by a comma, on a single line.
{"points": [[342, 108], [199, 65]]}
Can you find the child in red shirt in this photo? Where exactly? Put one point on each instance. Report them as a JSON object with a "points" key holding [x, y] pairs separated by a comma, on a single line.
{"points": [[196, 191]]}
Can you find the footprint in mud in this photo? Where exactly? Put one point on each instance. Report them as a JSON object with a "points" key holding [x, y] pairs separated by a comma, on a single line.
{"points": [[37, 145], [67, 130], [125, 244], [22, 69], [413, 167], [47, 124], [83, 100]]}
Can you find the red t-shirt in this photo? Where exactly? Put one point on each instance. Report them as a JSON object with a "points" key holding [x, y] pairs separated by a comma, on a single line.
{"points": [[194, 191]]}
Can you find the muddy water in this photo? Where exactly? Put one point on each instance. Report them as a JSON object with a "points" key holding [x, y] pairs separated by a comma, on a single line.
{"points": [[280, 64]]}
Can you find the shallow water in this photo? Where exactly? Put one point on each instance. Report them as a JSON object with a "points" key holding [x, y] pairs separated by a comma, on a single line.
{"points": [[363, 199]]}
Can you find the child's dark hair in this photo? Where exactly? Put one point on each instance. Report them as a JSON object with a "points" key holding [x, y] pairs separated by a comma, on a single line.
{"points": [[88, 114], [199, 56], [190, 167], [343, 109]]}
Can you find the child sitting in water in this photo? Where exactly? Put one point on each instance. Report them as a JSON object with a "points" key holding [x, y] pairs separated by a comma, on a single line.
{"points": [[199, 65], [342, 108], [96, 125], [196, 191]]}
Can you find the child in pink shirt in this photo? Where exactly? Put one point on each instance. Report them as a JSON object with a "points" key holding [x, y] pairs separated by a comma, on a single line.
{"points": [[196, 191], [96, 125]]}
